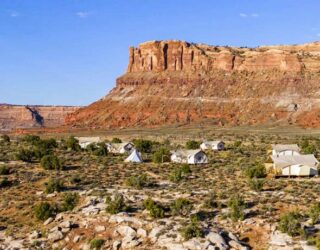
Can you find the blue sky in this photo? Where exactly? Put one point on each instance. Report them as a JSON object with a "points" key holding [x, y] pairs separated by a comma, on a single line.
{"points": [[69, 52]]}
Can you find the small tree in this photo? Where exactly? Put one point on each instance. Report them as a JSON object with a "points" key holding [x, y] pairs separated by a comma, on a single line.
{"points": [[181, 206], [73, 144], [137, 181], [44, 210], [4, 182], [54, 186], [156, 211], [51, 162], [314, 213], [25, 155], [32, 139], [192, 144], [96, 243], [290, 224], [236, 205], [116, 140], [258, 171], [70, 200], [144, 146], [256, 184], [161, 155], [116, 205], [192, 230], [4, 170], [5, 138]]}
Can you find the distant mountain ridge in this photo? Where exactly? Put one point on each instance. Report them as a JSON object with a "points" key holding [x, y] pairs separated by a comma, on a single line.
{"points": [[32, 116]]}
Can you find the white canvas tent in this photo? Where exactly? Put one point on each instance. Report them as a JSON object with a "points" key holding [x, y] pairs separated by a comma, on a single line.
{"points": [[135, 157], [285, 149], [214, 145], [189, 156], [85, 141], [295, 165], [120, 148]]}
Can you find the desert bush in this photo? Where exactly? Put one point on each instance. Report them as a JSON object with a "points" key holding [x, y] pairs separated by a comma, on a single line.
{"points": [[4, 182], [101, 149], [144, 146], [116, 205], [4, 170], [75, 179], [192, 230], [137, 181], [210, 201], [161, 155], [51, 162], [25, 155], [290, 223], [5, 138], [181, 206], [156, 211], [44, 210], [192, 144], [73, 144], [96, 243], [70, 200], [314, 213], [237, 144], [54, 185], [116, 140], [256, 184], [236, 205], [257, 171], [32, 139], [178, 173], [44, 147]]}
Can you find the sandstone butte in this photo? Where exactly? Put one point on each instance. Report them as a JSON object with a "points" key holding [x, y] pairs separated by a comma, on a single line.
{"points": [[25, 117], [176, 82]]}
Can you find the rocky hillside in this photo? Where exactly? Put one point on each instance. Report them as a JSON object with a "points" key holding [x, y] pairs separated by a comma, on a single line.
{"points": [[17, 116], [175, 82]]}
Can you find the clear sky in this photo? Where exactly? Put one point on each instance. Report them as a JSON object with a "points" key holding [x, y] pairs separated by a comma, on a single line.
{"points": [[70, 52]]}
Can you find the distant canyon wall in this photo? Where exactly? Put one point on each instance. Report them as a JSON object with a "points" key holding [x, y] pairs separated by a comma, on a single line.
{"points": [[22, 117]]}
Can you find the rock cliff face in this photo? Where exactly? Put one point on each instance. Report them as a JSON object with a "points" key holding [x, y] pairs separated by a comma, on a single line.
{"points": [[175, 82], [16, 116]]}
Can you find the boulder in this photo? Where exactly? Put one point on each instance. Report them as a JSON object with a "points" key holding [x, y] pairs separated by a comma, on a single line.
{"points": [[55, 236], [192, 244], [100, 228], [116, 245], [142, 233], [48, 221], [217, 240], [126, 231]]}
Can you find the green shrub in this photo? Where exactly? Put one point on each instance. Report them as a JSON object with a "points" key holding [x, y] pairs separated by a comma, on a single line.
{"points": [[137, 181], [32, 139], [116, 140], [75, 179], [101, 149], [314, 213], [237, 144], [73, 144], [4, 182], [25, 155], [178, 173], [70, 200], [51, 162], [4, 170], [144, 146], [5, 138], [256, 184], [192, 230], [156, 211], [96, 243], [192, 144], [290, 224], [116, 205], [258, 171], [181, 206], [161, 155], [44, 210], [236, 205], [54, 186], [210, 201]]}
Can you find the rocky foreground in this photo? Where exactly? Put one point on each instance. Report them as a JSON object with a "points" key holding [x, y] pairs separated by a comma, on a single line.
{"points": [[176, 82], [73, 230]]}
